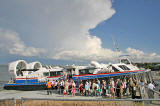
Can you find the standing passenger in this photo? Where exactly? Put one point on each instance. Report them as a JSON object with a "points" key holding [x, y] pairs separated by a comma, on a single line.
{"points": [[118, 85], [112, 89], [151, 87], [66, 86], [73, 90], [93, 88], [100, 91], [87, 89], [90, 88], [125, 87], [64, 92], [142, 87], [104, 88], [121, 89], [133, 88], [81, 88], [53, 83], [96, 89], [49, 87]]}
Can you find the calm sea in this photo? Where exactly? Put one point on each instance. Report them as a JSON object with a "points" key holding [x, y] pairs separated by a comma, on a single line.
{"points": [[4, 75]]}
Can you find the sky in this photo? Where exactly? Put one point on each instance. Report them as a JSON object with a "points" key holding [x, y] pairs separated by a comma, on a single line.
{"points": [[79, 31]]}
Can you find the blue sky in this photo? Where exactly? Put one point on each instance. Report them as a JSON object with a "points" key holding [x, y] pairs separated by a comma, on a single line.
{"points": [[135, 24], [66, 32]]}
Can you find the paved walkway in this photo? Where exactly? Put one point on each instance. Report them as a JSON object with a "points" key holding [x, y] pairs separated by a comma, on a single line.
{"points": [[5, 94], [8, 94]]}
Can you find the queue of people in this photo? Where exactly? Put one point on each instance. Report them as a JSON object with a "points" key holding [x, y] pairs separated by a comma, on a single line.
{"points": [[113, 88], [62, 86]]}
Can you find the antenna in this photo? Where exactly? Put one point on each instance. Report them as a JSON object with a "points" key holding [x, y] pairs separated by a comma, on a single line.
{"points": [[115, 45]]}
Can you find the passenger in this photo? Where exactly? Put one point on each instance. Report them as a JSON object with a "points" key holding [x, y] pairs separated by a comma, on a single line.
{"points": [[124, 87], [142, 84], [109, 87], [96, 89], [121, 89], [52, 83], [73, 90], [66, 85], [62, 86], [104, 88], [64, 92], [70, 86], [90, 87], [128, 92], [81, 88], [87, 89], [59, 87], [151, 87], [118, 85], [112, 89], [100, 91], [93, 88], [133, 88], [55, 84], [49, 87]]}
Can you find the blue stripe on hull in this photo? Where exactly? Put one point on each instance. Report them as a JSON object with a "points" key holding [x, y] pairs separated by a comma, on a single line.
{"points": [[15, 84], [75, 78], [27, 81]]}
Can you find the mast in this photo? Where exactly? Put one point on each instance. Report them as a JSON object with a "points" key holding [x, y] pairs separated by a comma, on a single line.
{"points": [[115, 45], [117, 50]]}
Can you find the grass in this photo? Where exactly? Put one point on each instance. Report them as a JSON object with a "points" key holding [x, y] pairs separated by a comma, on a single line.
{"points": [[69, 103]]}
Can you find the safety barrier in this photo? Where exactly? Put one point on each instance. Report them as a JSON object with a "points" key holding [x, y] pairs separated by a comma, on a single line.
{"points": [[77, 102]]}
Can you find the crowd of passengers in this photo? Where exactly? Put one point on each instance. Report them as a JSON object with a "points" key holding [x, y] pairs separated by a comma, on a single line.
{"points": [[113, 88]]}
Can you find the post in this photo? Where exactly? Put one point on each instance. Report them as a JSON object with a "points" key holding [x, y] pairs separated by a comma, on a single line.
{"points": [[22, 101], [14, 101]]}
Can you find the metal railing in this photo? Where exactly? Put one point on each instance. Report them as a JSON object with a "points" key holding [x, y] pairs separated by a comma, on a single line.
{"points": [[22, 101]]}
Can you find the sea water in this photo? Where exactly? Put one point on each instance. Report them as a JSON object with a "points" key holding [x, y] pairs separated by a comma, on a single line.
{"points": [[4, 75]]}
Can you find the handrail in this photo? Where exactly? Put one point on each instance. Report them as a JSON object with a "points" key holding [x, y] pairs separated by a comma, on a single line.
{"points": [[7, 99], [74, 99], [155, 91], [23, 100]]}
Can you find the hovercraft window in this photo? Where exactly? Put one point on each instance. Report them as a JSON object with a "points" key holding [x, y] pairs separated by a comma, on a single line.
{"points": [[46, 74], [125, 61], [52, 73], [59, 72], [86, 71], [123, 67], [115, 69]]}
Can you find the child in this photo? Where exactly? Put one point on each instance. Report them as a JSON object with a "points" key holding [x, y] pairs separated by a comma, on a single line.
{"points": [[64, 92], [81, 88], [112, 92], [73, 91], [99, 91]]}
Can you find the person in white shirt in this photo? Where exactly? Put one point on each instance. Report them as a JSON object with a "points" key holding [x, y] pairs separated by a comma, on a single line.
{"points": [[151, 87], [87, 89]]}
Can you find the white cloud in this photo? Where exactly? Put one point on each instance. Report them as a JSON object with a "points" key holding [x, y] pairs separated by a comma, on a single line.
{"points": [[62, 28], [11, 43], [59, 29], [71, 32], [140, 56]]}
